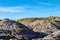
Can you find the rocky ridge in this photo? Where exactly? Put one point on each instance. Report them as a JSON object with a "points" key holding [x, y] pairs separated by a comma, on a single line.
{"points": [[32, 28], [44, 25]]}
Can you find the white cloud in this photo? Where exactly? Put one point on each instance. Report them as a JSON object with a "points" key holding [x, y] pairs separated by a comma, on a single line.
{"points": [[10, 9], [14, 9]]}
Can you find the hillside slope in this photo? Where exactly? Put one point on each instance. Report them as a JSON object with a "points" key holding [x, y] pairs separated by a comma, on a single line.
{"points": [[41, 24], [46, 25], [30, 28]]}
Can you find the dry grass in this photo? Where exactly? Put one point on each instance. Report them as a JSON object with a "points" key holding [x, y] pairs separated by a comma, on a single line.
{"points": [[34, 19]]}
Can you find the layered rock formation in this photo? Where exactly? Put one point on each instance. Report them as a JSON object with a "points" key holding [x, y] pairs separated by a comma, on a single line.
{"points": [[46, 25], [31, 28], [12, 28], [54, 36], [42, 25]]}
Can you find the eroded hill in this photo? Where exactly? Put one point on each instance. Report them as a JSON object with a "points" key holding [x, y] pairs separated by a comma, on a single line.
{"points": [[41, 24], [46, 25], [31, 28]]}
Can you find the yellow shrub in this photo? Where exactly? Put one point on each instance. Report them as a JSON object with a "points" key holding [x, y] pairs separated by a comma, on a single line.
{"points": [[34, 19], [52, 18]]}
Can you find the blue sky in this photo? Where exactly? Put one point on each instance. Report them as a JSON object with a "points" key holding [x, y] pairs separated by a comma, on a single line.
{"points": [[14, 9]]}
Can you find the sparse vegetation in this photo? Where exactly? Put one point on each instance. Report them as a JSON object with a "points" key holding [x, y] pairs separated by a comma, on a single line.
{"points": [[34, 19], [29, 27], [52, 18]]}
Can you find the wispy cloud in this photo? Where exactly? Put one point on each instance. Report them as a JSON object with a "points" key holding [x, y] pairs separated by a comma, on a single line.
{"points": [[14, 9], [45, 3], [10, 9]]}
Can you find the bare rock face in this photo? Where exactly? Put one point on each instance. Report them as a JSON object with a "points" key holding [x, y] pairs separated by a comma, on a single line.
{"points": [[18, 30], [38, 28], [53, 36], [44, 25], [7, 24]]}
